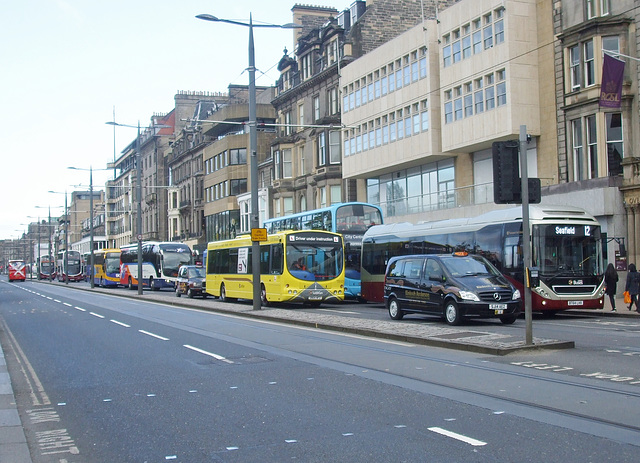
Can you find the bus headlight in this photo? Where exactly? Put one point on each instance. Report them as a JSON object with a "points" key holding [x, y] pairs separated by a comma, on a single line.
{"points": [[469, 296]]}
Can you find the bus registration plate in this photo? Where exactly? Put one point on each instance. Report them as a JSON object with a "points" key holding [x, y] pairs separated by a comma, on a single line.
{"points": [[498, 309], [576, 302]]}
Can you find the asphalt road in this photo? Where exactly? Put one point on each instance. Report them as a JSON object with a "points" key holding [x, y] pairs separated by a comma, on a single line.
{"points": [[101, 378]]}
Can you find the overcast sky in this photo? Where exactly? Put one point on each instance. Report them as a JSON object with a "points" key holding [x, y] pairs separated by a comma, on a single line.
{"points": [[67, 63]]}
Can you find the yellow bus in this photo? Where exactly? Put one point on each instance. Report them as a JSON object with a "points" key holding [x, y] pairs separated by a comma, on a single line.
{"points": [[106, 264], [295, 266]]}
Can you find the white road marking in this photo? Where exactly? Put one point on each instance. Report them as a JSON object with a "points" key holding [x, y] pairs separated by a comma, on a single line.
{"points": [[460, 437], [80, 309], [210, 354], [338, 311], [120, 323], [154, 335], [96, 315], [67, 304]]}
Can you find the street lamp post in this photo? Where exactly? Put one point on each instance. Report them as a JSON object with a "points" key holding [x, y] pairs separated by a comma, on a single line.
{"points": [[91, 217], [65, 261], [253, 144], [138, 193]]}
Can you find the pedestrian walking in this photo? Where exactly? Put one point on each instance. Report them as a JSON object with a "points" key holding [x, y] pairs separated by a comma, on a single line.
{"points": [[633, 285], [611, 282]]}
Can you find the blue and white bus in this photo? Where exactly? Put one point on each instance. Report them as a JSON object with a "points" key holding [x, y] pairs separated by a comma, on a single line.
{"points": [[160, 264], [351, 220]]}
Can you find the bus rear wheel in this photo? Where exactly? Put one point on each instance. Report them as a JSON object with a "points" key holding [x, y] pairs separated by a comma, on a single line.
{"points": [[130, 284], [263, 297], [223, 293]]}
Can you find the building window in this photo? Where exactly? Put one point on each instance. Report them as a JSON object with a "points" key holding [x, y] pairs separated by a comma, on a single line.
{"points": [[578, 158], [305, 66], [457, 102], [301, 116], [498, 26], [487, 32], [501, 88], [287, 122], [238, 156], [597, 8], [466, 41], [589, 64], [316, 108], [448, 107], [456, 49], [592, 146], [335, 156], [288, 206], [478, 96], [322, 149], [446, 52], [477, 37], [424, 115], [287, 164], [615, 148], [423, 62], [336, 194], [574, 67], [237, 186], [333, 101]]}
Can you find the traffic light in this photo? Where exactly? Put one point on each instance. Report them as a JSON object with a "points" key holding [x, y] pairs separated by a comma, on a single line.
{"points": [[506, 175], [507, 184]]}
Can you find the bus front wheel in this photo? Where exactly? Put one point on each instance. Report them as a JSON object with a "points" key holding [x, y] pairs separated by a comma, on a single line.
{"points": [[223, 293]]}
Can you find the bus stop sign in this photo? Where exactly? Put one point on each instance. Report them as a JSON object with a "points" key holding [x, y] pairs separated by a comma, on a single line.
{"points": [[258, 234]]}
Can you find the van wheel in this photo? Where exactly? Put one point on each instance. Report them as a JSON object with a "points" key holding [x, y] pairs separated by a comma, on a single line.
{"points": [[189, 293], [394, 309], [178, 292], [452, 313], [263, 297], [509, 320]]}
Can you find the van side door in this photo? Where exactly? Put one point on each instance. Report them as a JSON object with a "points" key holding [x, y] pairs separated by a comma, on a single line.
{"points": [[414, 295], [433, 285]]}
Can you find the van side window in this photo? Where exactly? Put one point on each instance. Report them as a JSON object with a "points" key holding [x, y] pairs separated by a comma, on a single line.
{"points": [[412, 268], [396, 269], [433, 270]]}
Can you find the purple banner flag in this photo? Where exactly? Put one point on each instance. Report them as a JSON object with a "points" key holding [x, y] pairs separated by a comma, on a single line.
{"points": [[611, 87]]}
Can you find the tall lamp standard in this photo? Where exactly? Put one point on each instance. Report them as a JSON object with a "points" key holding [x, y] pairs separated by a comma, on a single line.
{"points": [[138, 199], [253, 144], [65, 264], [93, 283]]}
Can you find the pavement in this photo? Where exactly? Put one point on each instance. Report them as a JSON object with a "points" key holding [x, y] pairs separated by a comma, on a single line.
{"points": [[13, 444]]}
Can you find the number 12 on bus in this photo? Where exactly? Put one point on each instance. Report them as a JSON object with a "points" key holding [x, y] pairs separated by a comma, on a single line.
{"points": [[295, 266]]}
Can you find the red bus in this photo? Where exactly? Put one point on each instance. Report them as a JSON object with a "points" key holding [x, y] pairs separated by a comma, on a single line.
{"points": [[72, 268], [17, 270], [46, 268]]}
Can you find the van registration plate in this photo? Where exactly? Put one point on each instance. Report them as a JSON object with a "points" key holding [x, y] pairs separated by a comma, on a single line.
{"points": [[498, 308]]}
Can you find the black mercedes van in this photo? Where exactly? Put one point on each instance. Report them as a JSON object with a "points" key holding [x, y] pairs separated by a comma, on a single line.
{"points": [[452, 286]]}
